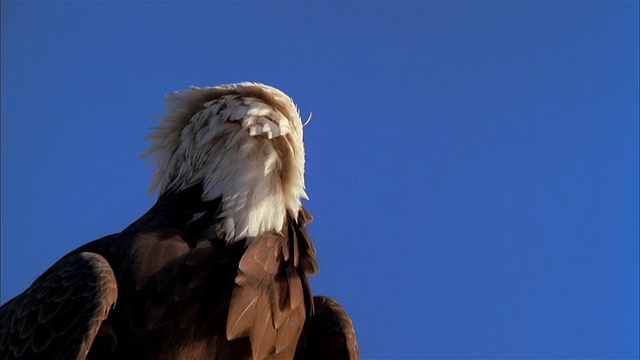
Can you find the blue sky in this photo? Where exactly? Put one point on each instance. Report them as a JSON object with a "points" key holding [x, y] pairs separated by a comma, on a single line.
{"points": [[472, 166]]}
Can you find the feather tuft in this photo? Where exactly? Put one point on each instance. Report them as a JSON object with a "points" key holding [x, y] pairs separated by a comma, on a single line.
{"points": [[243, 142]]}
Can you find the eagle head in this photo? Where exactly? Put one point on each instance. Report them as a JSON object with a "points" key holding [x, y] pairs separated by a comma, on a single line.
{"points": [[243, 144]]}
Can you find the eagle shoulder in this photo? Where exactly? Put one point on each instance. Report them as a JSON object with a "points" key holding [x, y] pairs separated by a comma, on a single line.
{"points": [[59, 315]]}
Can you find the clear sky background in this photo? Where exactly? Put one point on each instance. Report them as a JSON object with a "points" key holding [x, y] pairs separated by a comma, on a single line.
{"points": [[472, 166]]}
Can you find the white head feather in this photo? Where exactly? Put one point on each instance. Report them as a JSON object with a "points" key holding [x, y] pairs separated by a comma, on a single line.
{"points": [[243, 142]]}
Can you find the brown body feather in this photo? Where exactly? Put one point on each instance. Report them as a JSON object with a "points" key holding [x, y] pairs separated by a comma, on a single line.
{"points": [[183, 292]]}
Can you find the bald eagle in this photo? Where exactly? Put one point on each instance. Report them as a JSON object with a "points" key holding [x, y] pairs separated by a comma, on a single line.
{"points": [[216, 269]]}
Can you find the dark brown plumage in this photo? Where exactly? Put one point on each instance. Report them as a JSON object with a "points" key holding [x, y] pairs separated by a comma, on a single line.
{"points": [[172, 285], [61, 313]]}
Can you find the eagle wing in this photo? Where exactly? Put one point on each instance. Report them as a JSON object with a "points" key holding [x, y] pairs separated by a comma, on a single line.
{"points": [[329, 333], [59, 315]]}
